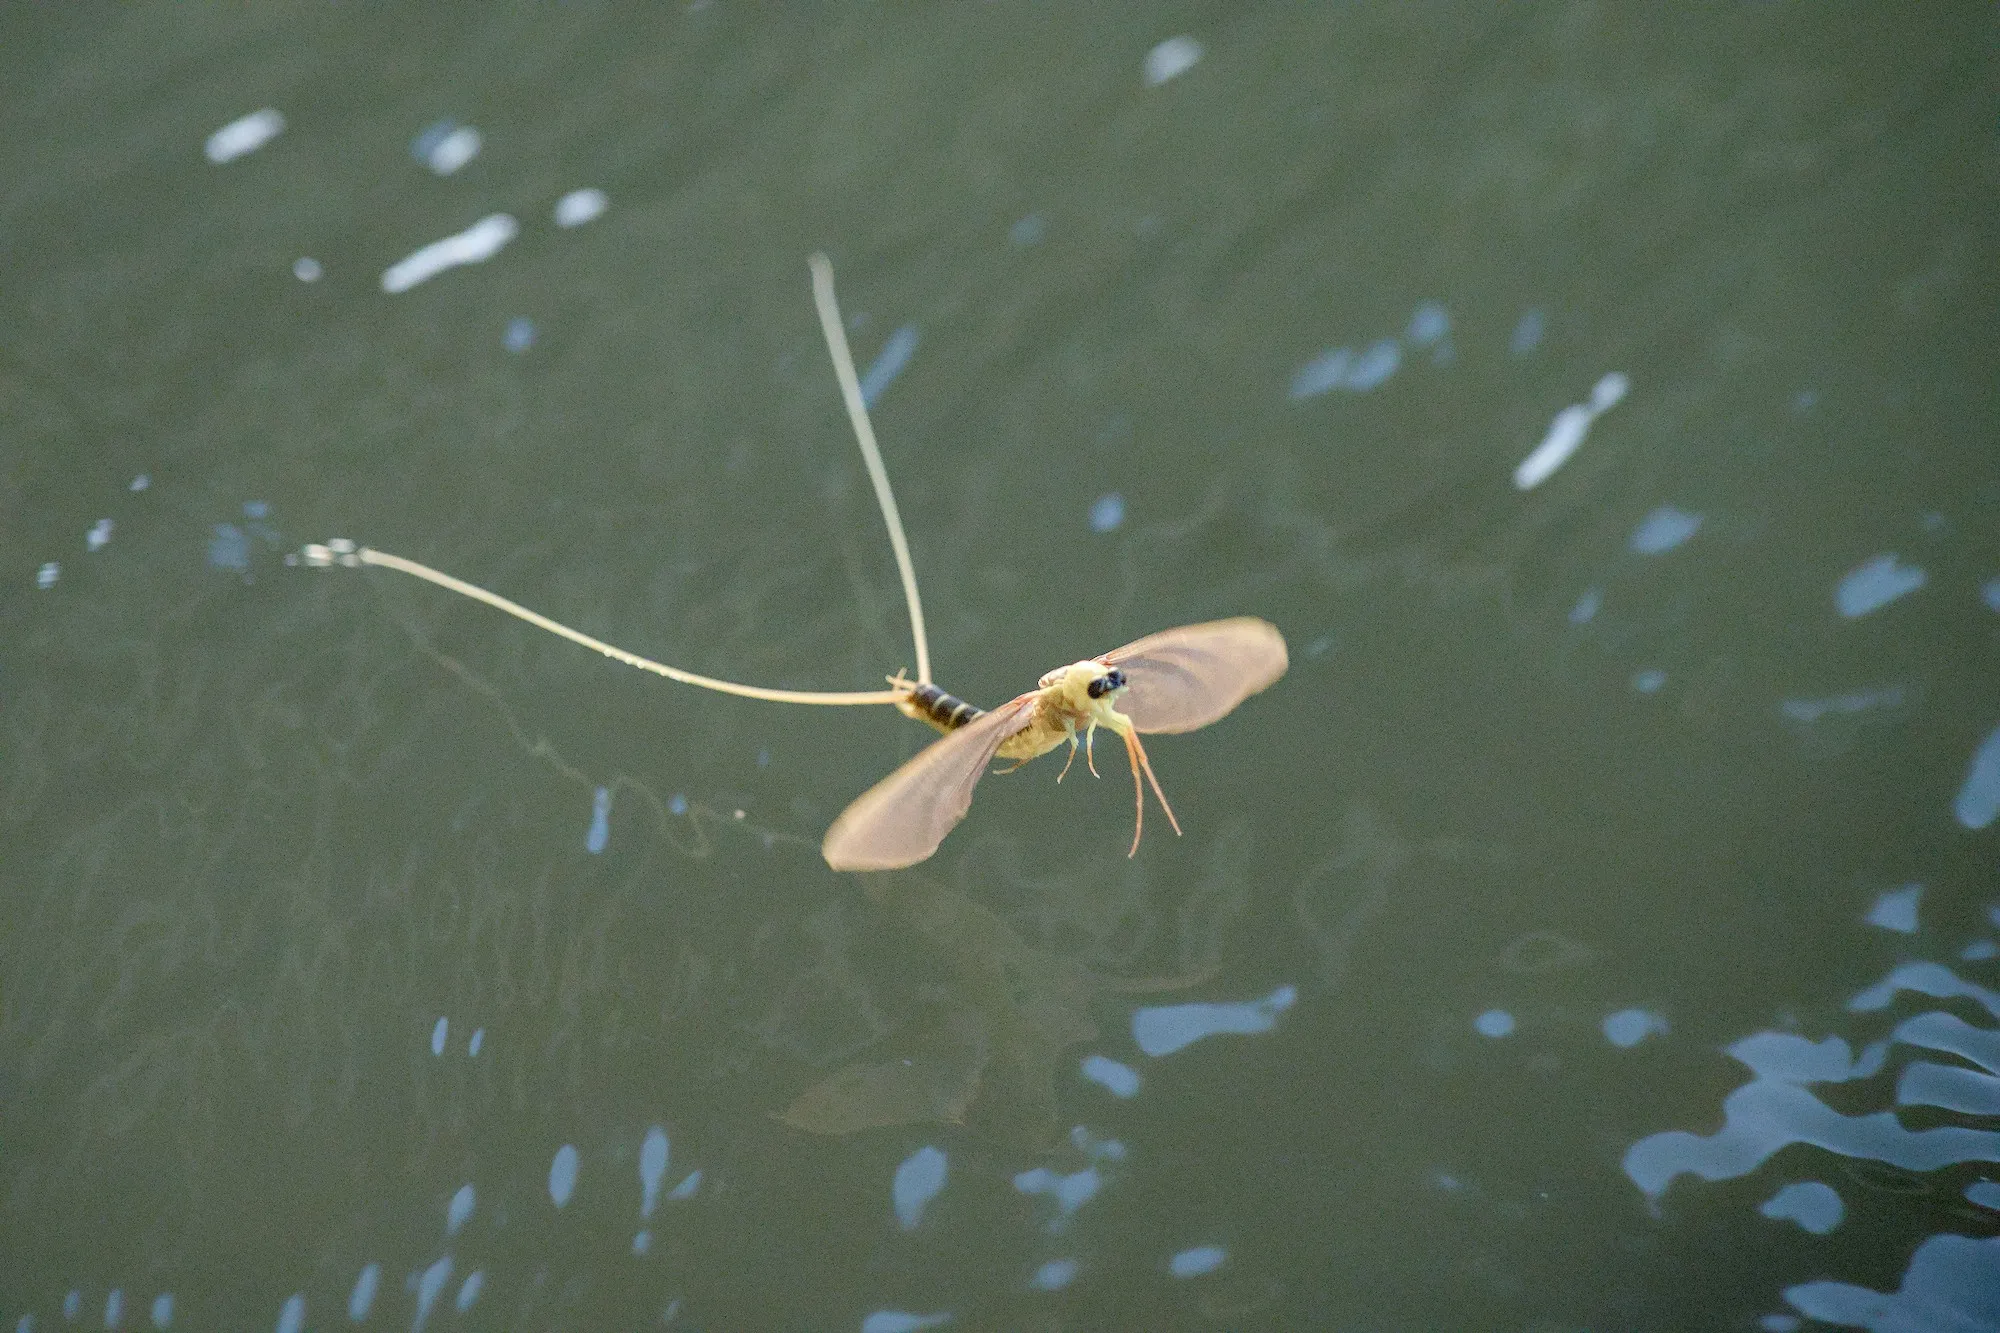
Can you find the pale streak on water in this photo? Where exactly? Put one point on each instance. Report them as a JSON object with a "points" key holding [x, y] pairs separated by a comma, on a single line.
{"points": [[1581, 842]]}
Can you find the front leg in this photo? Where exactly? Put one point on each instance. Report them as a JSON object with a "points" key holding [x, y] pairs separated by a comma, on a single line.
{"points": [[1070, 729]]}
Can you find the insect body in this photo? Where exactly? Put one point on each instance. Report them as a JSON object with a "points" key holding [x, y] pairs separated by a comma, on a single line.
{"points": [[1176, 680]]}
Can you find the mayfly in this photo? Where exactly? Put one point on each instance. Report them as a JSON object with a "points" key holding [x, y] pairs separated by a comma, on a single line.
{"points": [[1177, 680]]}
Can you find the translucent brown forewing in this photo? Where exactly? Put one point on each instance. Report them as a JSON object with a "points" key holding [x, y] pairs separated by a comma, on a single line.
{"points": [[1180, 679], [901, 819]]}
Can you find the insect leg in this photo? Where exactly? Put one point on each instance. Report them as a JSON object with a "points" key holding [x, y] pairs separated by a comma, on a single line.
{"points": [[1072, 757], [1136, 754], [1088, 757]]}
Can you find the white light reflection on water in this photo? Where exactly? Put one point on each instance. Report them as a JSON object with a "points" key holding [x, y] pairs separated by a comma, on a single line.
{"points": [[362, 1299], [919, 1179], [1197, 1261], [429, 1285], [1494, 1023], [1664, 529], [1054, 1275], [1119, 1080], [469, 1291], [581, 206], [292, 1318], [1528, 331], [1171, 59], [246, 134], [599, 835], [562, 1175], [902, 1321], [1070, 1192], [1568, 430], [1775, 1110], [476, 244], [1924, 1083], [1343, 368], [1978, 801], [1953, 1282], [1874, 584], [445, 146], [460, 1211], [1932, 979], [439, 1032], [1765, 1115], [1858, 701], [1628, 1027], [1107, 512], [1811, 1204], [1164, 1029], [114, 1308], [891, 361], [1374, 366], [1897, 909], [1430, 325], [163, 1309], [652, 1169]]}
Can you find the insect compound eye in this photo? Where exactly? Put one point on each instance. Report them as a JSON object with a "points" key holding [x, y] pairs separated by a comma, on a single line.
{"points": [[1114, 679]]}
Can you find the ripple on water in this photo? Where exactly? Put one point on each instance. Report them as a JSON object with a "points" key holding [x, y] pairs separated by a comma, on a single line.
{"points": [[1775, 1109], [1953, 1282]]}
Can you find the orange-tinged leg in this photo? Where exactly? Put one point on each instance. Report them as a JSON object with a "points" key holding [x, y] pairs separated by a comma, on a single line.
{"points": [[1138, 795], [1136, 754], [1072, 757]]}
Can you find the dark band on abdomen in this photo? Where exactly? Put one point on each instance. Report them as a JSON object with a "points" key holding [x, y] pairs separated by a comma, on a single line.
{"points": [[942, 710]]}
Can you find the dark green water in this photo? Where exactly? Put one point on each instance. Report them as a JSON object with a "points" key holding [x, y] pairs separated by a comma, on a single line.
{"points": [[306, 950]]}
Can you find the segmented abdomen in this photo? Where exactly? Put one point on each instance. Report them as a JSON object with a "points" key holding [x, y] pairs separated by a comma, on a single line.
{"points": [[941, 710]]}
